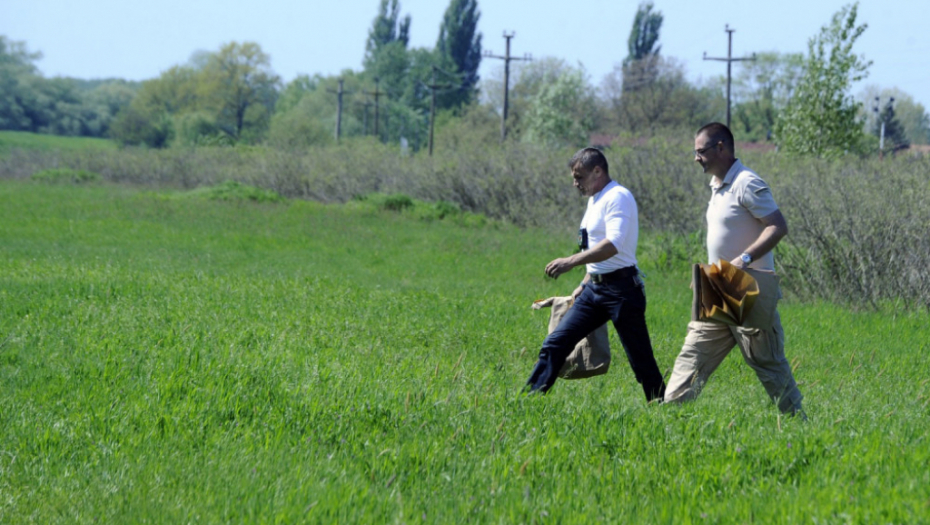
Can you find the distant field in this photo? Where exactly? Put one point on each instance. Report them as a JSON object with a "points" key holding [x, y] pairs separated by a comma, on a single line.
{"points": [[10, 140], [181, 360]]}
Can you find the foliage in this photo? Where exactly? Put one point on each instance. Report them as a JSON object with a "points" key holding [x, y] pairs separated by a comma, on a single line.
{"points": [[460, 45], [762, 88], [387, 28], [60, 106], [136, 126], [403, 77], [177, 90], [645, 34], [420, 210], [196, 129], [563, 113], [65, 176], [476, 126], [527, 81], [301, 363], [230, 190], [232, 91], [241, 87], [821, 118], [648, 95], [845, 232]]}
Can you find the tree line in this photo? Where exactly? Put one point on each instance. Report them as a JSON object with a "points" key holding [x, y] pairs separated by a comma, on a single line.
{"points": [[232, 95]]}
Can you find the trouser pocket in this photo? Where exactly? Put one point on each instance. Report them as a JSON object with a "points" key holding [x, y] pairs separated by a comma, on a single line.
{"points": [[760, 347]]}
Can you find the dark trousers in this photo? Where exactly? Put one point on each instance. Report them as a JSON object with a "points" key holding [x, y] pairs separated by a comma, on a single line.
{"points": [[621, 301]]}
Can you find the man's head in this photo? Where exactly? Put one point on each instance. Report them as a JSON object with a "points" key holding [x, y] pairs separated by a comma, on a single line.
{"points": [[714, 149], [589, 171]]}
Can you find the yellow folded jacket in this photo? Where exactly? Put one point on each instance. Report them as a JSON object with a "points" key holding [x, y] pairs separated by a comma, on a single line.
{"points": [[722, 293]]}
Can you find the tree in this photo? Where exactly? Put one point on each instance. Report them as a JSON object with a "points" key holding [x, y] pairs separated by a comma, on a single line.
{"points": [[762, 88], [17, 73], [460, 45], [563, 113], [241, 87], [641, 66], [651, 94], [645, 33], [822, 119], [176, 90], [147, 120], [527, 79], [387, 29], [142, 126]]}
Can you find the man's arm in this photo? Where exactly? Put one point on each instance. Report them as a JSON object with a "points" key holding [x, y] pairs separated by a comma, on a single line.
{"points": [[600, 252], [775, 229]]}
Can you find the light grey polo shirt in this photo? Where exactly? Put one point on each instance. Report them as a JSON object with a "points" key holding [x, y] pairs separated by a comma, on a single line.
{"points": [[733, 215]]}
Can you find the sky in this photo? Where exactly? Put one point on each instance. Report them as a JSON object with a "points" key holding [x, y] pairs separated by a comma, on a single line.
{"points": [[138, 40]]}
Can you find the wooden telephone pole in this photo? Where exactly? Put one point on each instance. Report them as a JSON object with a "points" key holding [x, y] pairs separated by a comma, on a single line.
{"points": [[729, 60], [376, 93], [339, 94], [433, 86], [506, 58]]}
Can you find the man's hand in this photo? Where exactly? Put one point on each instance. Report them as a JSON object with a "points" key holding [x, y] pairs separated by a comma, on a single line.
{"points": [[738, 262], [559, 266]]}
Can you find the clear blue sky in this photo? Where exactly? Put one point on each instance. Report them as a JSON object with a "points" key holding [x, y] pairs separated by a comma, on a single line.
{"points": [[137, 40]]}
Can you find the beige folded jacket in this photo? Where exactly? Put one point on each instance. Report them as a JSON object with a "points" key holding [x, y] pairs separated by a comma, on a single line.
{"points": [[591, 356]]}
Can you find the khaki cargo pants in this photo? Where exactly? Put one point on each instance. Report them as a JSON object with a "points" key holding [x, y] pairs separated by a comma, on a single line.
{"points": [[761, 340]]}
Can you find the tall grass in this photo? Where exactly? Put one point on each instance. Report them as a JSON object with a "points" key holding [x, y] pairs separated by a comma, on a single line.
{"points": [[857, 226], [167, 360]]}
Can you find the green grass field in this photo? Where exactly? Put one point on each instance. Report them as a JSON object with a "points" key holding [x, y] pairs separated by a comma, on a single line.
{"points": [[10, 140], [184, 360]]}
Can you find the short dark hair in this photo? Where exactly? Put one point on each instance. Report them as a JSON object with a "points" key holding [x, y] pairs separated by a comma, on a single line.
{"points": [[718, 133], [588, 158]]}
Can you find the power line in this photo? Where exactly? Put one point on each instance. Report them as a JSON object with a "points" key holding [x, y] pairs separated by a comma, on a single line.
{"points": [[506, 58], [729, 60]]}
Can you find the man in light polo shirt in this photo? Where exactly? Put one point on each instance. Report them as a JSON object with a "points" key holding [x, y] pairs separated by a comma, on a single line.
{"points": [[611, 289], [743, 226]]}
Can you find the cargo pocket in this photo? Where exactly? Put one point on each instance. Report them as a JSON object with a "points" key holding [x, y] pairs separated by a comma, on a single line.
{"points": [[758, 345]]}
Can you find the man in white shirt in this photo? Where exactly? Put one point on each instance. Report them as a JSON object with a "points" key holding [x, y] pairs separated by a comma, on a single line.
{"points": [[611, 289], [743, 226]]}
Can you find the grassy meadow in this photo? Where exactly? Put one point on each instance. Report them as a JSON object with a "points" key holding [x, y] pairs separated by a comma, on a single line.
{"points": [[168, 357], [10, 140]]}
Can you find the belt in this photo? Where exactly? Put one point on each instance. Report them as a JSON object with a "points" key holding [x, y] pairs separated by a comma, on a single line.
{"points": [[616, 275]]}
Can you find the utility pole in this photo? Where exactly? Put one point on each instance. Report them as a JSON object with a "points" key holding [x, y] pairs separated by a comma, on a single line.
{"points": [[339, 94], [433, 86], [506, 58], [881, 137], [366, 105], [376, 93], [729, 60]]}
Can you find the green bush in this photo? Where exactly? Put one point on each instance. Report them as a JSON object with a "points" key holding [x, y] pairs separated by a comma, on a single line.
{"points": [[231, 190], [198, 129], [65, 176]]}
